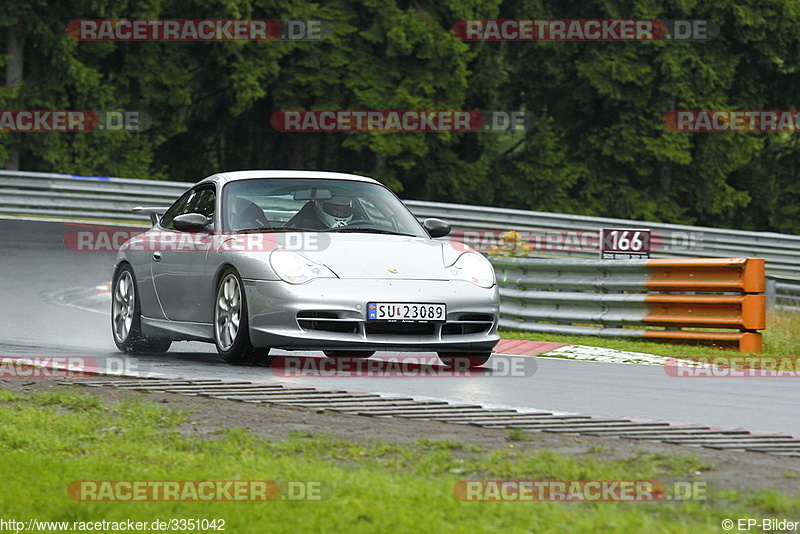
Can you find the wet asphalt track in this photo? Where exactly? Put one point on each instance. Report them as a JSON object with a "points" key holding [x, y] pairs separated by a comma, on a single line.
{"points": [[36, 268]]}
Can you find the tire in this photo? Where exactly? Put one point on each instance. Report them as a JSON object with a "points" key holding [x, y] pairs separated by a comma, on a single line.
{"points": [[126, 317], [231, 322], [464, 360], [348, 353]]}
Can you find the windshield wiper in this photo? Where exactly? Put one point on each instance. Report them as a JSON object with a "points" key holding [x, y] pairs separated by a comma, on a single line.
{"points": [[345, 229]]}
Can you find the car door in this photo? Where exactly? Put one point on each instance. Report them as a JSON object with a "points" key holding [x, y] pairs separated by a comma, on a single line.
{"points": [[178, 261]]}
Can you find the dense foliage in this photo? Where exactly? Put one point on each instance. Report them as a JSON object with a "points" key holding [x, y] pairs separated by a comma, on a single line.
{"points": [[600, 146]]}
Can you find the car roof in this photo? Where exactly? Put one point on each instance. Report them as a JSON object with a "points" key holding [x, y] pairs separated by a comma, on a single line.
{"points": [[232, 176]]}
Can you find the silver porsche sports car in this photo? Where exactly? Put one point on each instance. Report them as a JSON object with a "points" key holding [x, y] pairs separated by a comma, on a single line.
{"points": [[296, 260]]}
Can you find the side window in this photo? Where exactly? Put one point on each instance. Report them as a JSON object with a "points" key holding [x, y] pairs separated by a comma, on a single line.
{"points": [[194, 201], [178, 208], [203, 203]]}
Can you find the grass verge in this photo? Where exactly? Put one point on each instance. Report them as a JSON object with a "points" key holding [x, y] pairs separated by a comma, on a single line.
{"points": [[48, 440]]}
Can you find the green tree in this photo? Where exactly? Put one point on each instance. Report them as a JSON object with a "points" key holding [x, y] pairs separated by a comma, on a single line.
{"points": [[58, 73], [602, 106], [599, 148]]}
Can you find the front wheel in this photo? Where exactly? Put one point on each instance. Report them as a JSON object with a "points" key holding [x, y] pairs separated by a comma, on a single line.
{"points": [[464, 360], [231, 324], [126, 317]]}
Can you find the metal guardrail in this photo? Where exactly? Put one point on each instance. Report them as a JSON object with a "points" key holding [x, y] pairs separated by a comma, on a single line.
{"points": [[110, 198], [86, 197]]}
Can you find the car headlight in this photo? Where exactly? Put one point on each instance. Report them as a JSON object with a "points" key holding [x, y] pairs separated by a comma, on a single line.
{"points": [[474, 268], [295, 268]]}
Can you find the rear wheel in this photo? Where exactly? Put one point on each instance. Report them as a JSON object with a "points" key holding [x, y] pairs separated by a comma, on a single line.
{"points": [[231, 323], [348, 353], [464, 360], [126, 317]]}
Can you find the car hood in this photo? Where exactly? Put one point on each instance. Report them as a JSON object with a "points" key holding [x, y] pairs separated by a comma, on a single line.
{"points": [[376, 256]]}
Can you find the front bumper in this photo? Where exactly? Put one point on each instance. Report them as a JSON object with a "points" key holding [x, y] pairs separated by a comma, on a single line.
{"points": [[331, 314]]}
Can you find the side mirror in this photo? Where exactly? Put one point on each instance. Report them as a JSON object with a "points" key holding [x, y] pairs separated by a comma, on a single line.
{"points": [[436, 227], [190, 222]]}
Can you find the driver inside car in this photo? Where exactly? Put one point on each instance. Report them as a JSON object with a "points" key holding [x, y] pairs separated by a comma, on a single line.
{"points": [[334, 212], [324, 214]]}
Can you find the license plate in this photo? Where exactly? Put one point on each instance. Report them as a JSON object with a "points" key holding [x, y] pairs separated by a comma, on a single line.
{"points": [[417, 312]]}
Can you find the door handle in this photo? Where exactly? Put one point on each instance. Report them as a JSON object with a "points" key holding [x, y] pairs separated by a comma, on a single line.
{"points": [[157, 255]]}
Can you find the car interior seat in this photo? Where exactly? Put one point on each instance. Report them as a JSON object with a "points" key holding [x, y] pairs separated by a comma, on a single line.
{"points": [[246, 214]]}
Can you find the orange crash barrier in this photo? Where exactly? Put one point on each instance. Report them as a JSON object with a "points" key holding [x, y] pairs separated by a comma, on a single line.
{"points": [[719, 301]]}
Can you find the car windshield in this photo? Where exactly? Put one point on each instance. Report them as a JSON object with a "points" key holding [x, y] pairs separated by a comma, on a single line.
{"points": [[307, 204]]}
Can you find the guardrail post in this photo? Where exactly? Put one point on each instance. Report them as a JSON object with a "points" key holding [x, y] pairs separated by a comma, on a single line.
{"points": [[771, 293]]}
